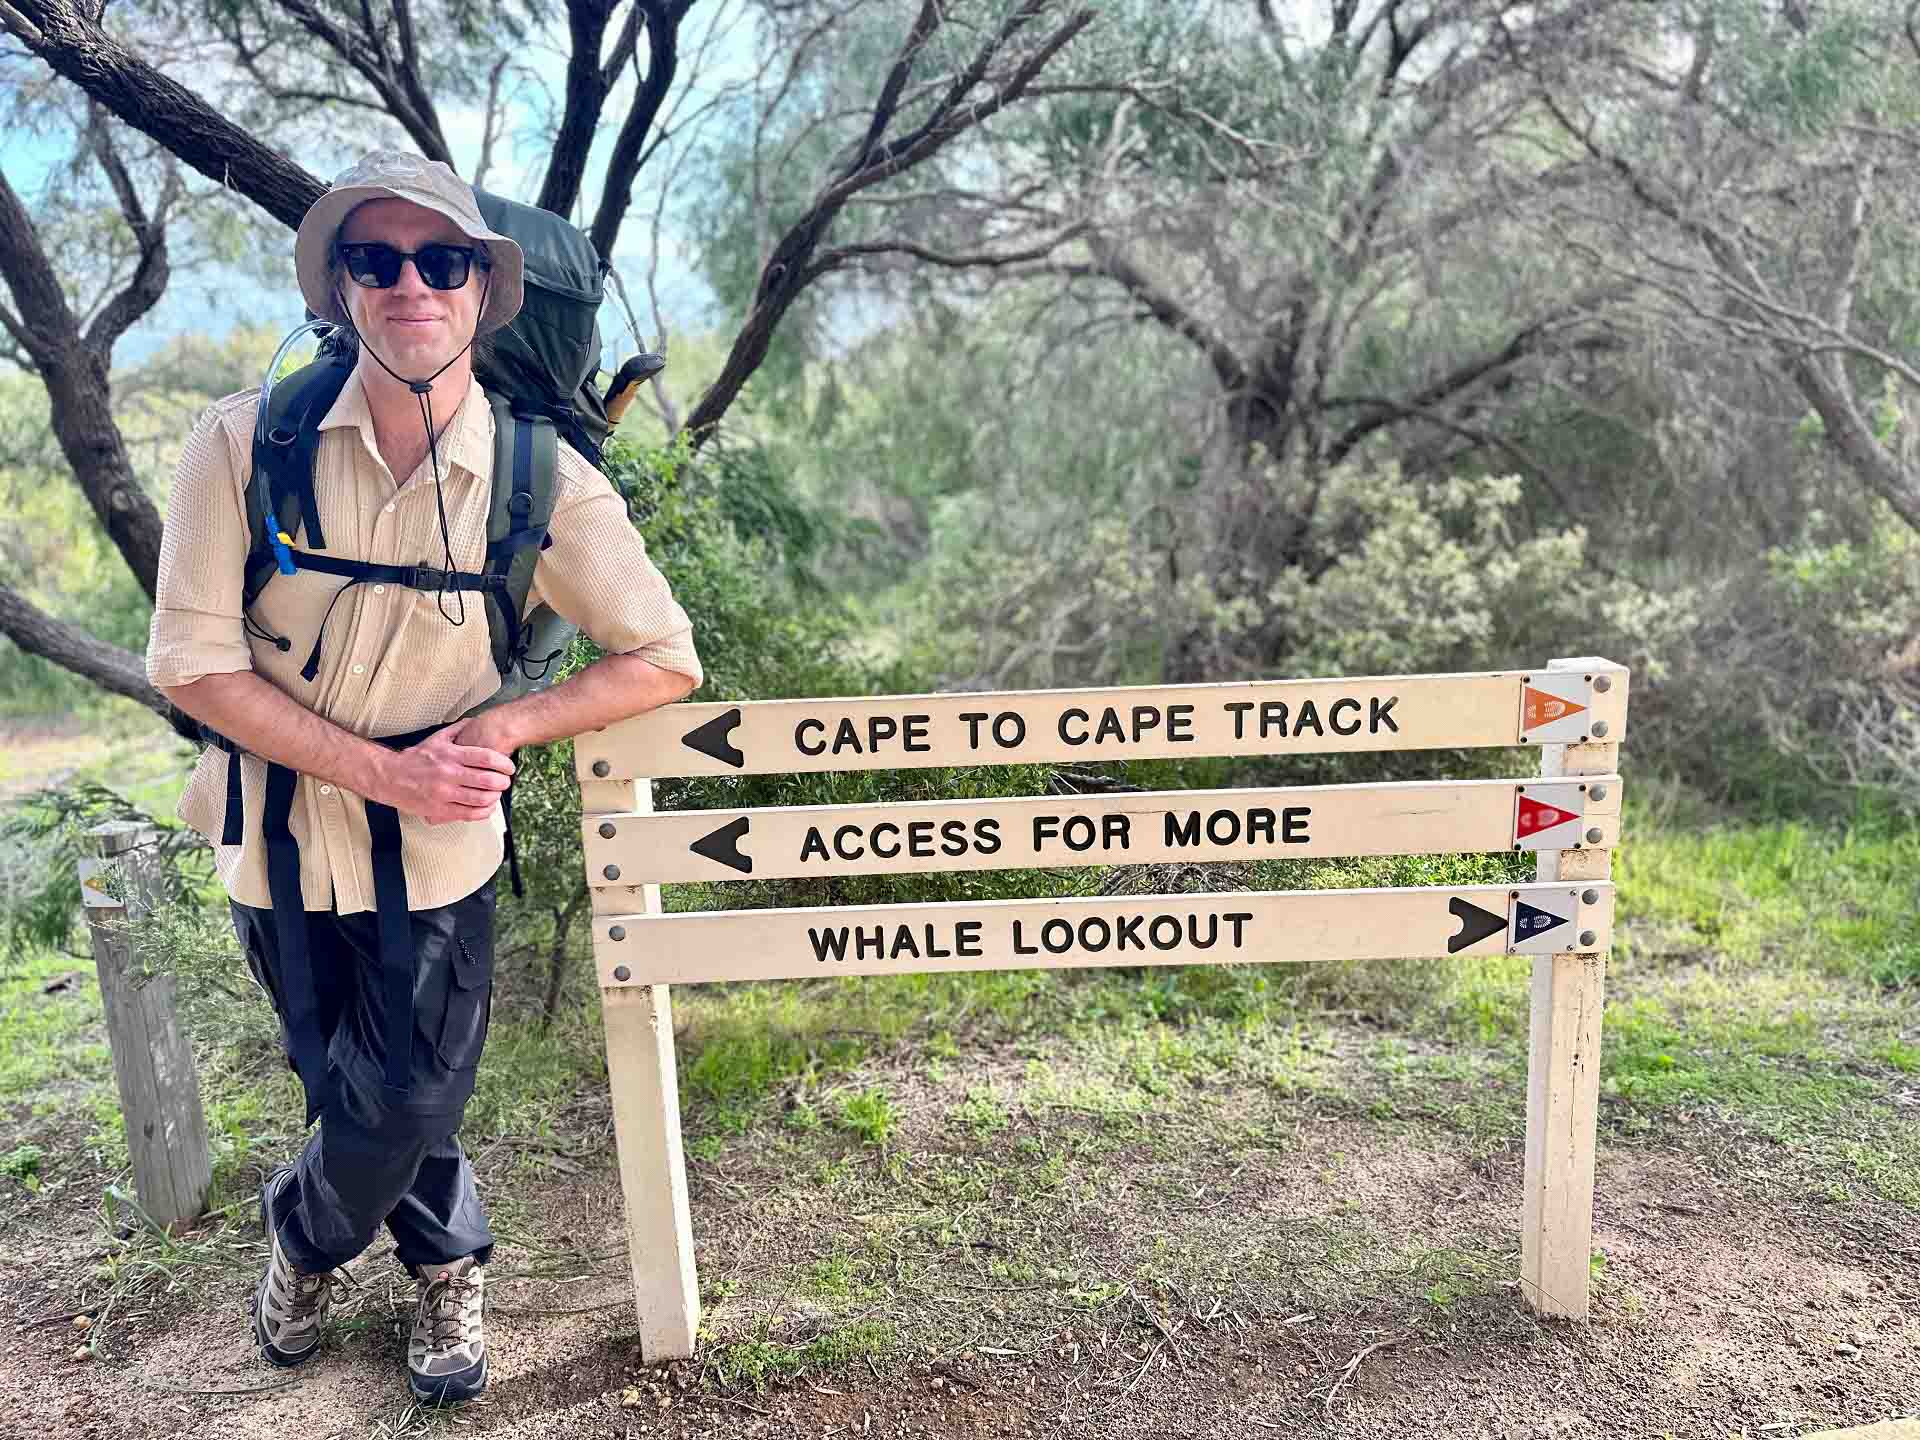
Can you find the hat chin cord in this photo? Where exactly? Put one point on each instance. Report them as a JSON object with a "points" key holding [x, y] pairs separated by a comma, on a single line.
{"points": [[422, 390]]}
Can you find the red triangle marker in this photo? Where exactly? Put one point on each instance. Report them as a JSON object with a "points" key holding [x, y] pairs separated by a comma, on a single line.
{"points": [[1535, 816], [1539, 708]]}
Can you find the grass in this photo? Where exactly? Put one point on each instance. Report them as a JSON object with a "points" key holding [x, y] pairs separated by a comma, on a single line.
{"points": [[970, 1131]]}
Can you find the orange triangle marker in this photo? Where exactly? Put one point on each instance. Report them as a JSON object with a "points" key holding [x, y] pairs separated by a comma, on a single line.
{"points": [[1539, 708]]}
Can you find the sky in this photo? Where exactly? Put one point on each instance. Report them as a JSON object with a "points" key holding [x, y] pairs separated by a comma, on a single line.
{"points": [[214, 301]]}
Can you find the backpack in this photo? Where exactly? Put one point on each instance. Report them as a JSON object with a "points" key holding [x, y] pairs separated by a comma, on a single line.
{"points": [[538, 372]]}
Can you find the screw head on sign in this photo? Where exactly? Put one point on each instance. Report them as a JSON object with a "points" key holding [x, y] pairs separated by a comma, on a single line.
{"points": [[612, 872], [602, 769], [1587, 938], [618, 932], [621, 972], [1600, 729], [1603, 683], [1587, 897], [606, 830], [1599, 792], [1595, 836]]}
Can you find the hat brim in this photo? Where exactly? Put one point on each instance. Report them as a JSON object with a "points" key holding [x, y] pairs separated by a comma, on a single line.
{"points": [[313, 243]]}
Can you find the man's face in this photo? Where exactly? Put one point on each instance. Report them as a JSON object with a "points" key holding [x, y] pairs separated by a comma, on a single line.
{"points": [[414, 328]]}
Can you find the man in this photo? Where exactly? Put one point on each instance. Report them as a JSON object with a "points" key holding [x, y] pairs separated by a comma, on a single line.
{"points": [[402, 477]]}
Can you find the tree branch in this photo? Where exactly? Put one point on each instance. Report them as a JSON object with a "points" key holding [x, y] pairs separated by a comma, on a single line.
{"points": [[491, 124], [791, 267], [978, 259], [402, 93], [75, 46], [150, 276], [1227, 367], [1529, 340], [586, 95], [663, 58], [120, 671]]}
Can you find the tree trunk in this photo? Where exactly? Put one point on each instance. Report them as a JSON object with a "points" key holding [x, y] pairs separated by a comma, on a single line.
{"points": [[89, 438], [563, 919]]}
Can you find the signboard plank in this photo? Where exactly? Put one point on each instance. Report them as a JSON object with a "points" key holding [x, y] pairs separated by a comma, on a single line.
{"points": [[1405, 712], [1292, 822], [1247, 927]]}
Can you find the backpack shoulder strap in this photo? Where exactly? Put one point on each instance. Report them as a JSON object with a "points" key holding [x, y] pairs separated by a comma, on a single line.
{"points": [[525, 465], [286, 444]]}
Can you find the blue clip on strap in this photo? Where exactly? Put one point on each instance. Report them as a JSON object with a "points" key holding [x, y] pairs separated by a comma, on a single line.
{"points": [[280, 540]]}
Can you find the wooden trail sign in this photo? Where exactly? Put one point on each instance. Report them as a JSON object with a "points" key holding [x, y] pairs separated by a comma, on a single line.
{"points": [[1292, 823], [1238, 927], [1574, 711], [1267, 717]]}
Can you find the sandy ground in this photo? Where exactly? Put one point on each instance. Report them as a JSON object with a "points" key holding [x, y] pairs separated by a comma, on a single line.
{"points": [[1722, 1311]]}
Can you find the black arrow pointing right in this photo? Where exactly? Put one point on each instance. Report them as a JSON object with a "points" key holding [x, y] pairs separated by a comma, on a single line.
{"points": [[711, 739], [1475, 924], [724, 845]]}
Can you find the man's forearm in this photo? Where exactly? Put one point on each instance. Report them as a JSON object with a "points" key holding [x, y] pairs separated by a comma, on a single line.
{"points": [[610, 689], [262, 720]]}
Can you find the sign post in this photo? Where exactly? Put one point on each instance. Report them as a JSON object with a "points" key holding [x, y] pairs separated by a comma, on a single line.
{"points": [[1574, 712], [644, 1080], [1569, 984]]}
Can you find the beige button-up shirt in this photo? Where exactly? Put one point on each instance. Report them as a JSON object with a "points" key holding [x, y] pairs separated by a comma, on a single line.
{"points": [[389, 661]]}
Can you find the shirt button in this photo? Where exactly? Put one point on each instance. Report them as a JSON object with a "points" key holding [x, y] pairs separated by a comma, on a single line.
{"points": [[326, 789], [379, 589], [390, 507], [359, 669]]}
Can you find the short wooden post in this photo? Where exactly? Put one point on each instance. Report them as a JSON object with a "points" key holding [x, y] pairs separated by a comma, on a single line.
{"points": [[152, 1061], [644, 1079], [1563, 1059]]}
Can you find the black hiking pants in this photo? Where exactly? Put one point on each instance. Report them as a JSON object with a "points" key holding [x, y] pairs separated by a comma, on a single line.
{"points": [[378, 1157]]}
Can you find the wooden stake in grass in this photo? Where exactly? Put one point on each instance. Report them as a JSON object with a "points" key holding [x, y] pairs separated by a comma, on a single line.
{"points": [[152, 1062]]}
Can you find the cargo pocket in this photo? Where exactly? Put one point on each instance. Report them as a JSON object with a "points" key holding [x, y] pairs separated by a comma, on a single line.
{"points": [[463, 1032]]}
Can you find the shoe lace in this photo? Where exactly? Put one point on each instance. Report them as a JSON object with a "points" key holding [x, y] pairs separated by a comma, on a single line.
{"points": [[310, 1290], [444, 1304]]}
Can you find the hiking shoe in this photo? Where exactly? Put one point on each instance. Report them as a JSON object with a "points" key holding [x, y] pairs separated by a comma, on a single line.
{"points": [[290, 1305], [447, 1353]]}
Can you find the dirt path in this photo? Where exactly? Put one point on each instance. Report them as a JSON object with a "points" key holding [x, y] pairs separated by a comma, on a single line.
{"points": [[1720, 1312]]}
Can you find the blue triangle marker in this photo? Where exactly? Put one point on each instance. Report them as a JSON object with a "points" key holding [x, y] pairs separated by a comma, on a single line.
{"points": [[1530, 920]]}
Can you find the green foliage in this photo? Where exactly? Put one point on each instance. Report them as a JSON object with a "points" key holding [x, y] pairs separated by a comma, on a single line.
{"points": [[765, 1360], [870, 1114], [1437, 581], [44, 838], [23, 1164], [1797, 80], [758, 635]]}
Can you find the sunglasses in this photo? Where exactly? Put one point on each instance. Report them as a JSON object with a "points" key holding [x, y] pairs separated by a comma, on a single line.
{"points": [[442, 267]]}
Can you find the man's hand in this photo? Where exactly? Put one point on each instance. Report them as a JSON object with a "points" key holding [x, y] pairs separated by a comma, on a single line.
{"points": [[443, 779]]}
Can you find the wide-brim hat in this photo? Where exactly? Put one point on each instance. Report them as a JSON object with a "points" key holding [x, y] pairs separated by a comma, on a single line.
{"points": [[383, 174]]}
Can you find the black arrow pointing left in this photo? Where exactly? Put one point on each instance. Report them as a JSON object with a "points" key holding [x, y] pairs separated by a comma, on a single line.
{"points": [[724, 845]]}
